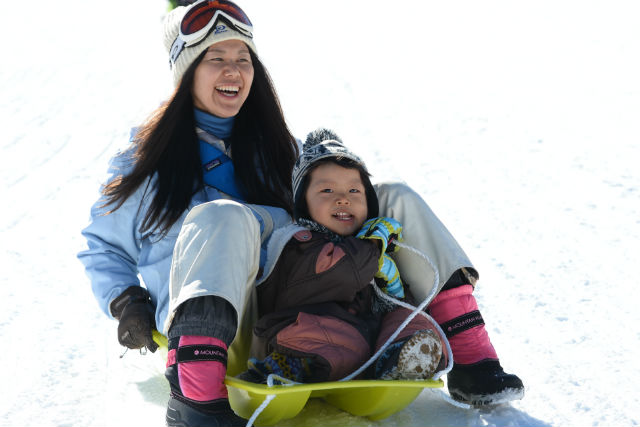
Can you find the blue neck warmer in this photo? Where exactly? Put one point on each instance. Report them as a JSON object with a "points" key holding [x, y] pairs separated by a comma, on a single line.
{"points": [[217, 167], [216, 126]]}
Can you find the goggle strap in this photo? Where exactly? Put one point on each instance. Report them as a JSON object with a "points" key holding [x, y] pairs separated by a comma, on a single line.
{"points": [[176, 48]]}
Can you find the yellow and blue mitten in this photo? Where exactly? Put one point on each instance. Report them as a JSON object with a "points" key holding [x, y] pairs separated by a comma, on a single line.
{"points": [[385, 230]]}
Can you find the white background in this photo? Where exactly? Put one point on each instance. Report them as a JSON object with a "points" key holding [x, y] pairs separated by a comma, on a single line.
{"points": [[517, 121]]}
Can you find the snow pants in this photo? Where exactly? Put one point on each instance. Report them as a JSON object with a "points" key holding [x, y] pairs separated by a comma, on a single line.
{"points": [[336, 347], [218, 254]]}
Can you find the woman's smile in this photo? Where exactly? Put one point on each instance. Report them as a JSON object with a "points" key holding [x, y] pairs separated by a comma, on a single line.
{"points": [[228, 90]]}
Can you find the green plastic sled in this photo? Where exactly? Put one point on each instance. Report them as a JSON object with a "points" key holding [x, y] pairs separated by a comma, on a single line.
{"points": [[374, 399]]}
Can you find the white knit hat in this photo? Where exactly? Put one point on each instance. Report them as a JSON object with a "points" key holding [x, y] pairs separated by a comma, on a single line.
{"points": [[222, 32]]}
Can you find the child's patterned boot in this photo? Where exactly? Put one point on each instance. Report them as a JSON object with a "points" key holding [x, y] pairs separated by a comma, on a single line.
{"points": [[415, 358], [293, 368]]}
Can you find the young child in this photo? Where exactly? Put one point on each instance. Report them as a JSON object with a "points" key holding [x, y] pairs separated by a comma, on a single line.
{"points": [[320, 318]]}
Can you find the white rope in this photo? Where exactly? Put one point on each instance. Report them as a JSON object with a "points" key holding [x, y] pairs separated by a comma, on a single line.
{"points": [[260, 408], [415, 311], [450, 400], [270, 397]]}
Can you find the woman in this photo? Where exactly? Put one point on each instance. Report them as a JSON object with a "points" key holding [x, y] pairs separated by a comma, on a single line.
{"points": [[191, 205], [212, 141]]}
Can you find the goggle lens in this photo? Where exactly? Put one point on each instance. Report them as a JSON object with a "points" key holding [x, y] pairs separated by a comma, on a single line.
{"points": [[201, 15]]}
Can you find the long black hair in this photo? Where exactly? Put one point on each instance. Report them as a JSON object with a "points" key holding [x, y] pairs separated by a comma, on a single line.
{"points": [[166, 146]]}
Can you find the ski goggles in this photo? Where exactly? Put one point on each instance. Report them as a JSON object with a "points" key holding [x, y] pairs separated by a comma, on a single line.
{"points": [[200, 20]]}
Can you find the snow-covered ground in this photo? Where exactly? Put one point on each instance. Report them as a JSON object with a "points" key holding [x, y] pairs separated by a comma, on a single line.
{"points": [[519, 123]]}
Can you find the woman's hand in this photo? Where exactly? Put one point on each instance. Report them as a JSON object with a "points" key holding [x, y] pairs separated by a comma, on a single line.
{"points": [[135, 312]]}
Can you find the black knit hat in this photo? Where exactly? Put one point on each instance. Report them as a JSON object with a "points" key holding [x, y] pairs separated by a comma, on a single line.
{"points": [[324, 145]]}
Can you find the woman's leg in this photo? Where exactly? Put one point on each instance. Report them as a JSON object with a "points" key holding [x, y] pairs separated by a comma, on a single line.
{"points": [[215, 262], [217, 253], [477, 376], [423, 231]]}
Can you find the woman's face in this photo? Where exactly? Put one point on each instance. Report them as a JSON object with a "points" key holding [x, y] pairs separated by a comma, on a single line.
{"points": [[223, 79]]}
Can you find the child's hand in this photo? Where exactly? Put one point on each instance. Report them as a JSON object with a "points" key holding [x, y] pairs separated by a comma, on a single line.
{"points": [[384, 229], [388, 277]]}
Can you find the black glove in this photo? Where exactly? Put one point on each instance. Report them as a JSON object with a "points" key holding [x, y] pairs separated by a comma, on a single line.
{"points": [[136, 314]]}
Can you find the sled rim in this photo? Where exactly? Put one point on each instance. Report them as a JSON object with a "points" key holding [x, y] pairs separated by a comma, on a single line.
{"points": [[285, 401], [328, 385]]}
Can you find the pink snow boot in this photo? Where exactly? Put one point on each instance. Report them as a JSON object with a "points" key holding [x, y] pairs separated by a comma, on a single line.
{"points": [[196, 368], [477, 377], [456, 310]]}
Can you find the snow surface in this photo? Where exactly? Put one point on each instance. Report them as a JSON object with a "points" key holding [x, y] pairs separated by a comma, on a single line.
{"points": [[519, 123]]}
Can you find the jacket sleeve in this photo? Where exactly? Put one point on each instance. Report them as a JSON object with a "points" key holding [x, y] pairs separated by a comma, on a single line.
{"points": [[113, 242]]}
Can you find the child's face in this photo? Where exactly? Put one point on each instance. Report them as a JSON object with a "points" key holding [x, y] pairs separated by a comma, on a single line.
{"points": [[336, 198]]}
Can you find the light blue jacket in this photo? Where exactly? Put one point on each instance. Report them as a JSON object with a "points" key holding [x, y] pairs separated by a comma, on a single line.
{"points": [[118, 255]]}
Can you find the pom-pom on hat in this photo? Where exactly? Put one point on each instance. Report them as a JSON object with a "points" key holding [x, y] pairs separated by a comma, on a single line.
{"points": [[222, 30], [324, 144]]}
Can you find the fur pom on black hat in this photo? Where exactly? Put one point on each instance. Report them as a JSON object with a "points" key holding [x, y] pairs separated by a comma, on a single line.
{"points": [[324, 144], [320, 135]]}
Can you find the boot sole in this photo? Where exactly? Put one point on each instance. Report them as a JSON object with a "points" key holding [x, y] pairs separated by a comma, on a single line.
{"points": [[180, 414], [504, 396], [419, 356]]}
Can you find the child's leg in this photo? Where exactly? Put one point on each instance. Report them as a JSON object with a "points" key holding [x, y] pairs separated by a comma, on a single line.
{"points": [[477, 376], [416, 353], [314, 349]]}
